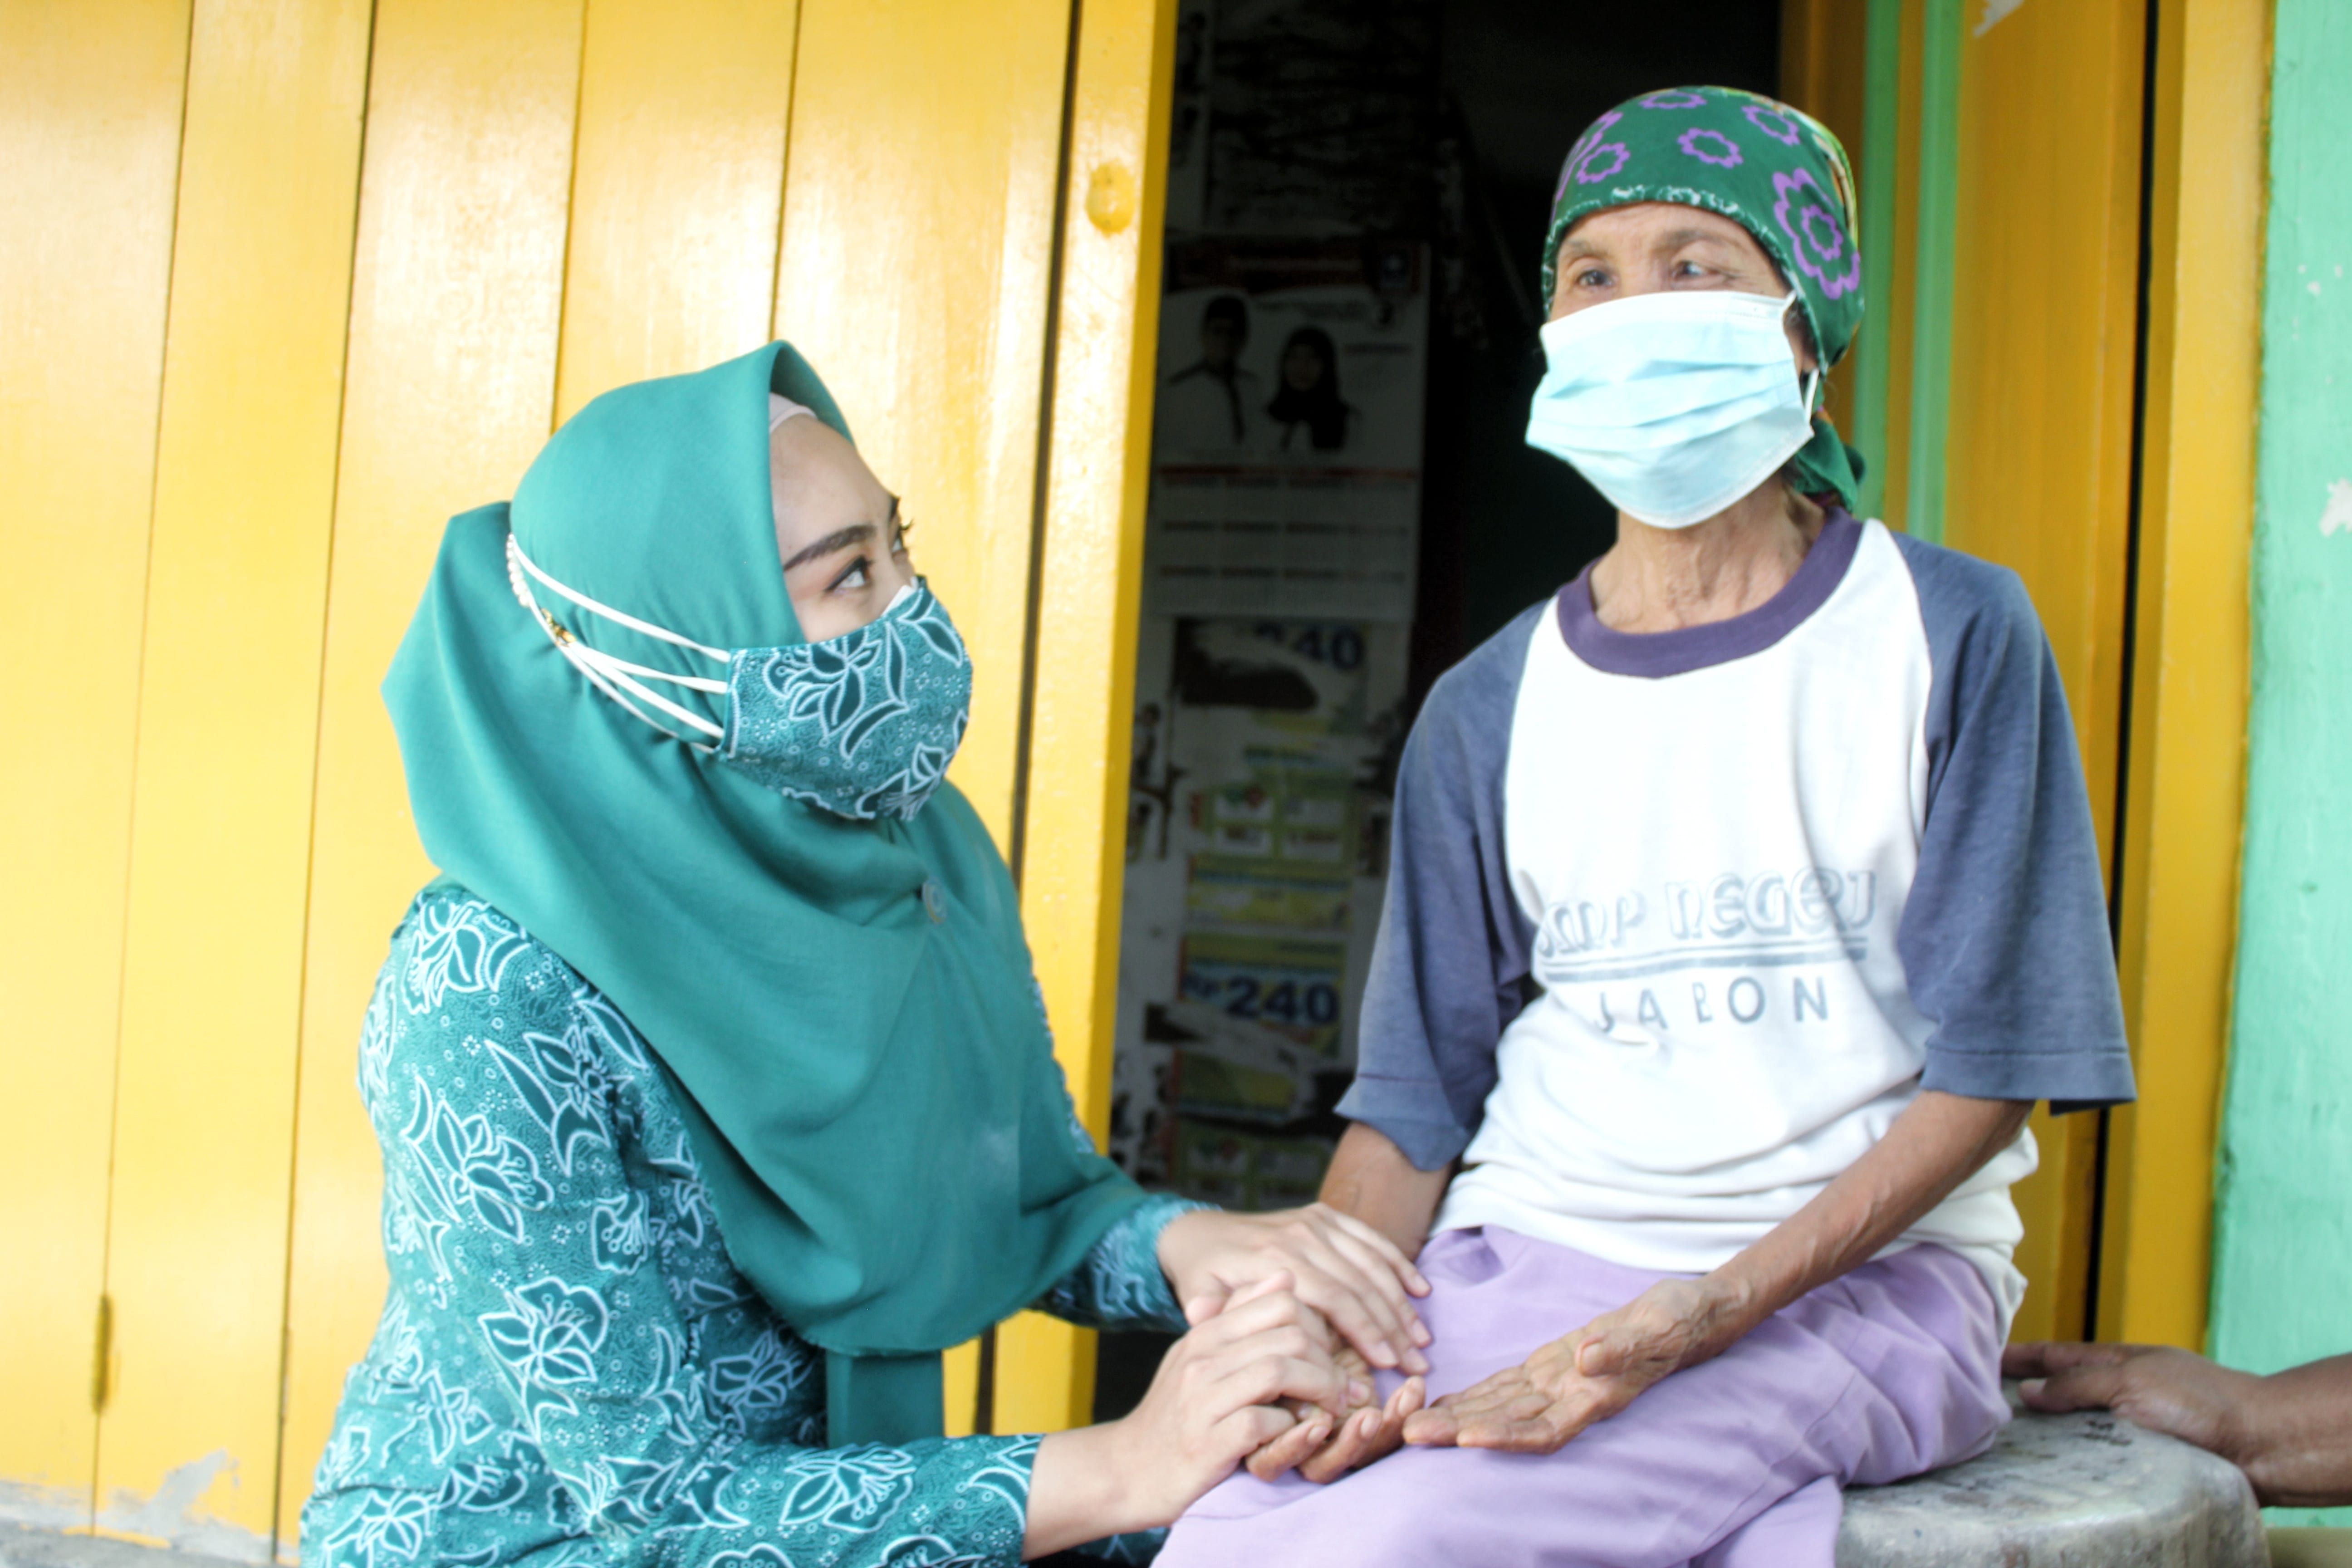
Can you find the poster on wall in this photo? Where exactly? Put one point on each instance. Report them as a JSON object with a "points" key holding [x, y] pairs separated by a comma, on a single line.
{"points": [[1279, 567], [1287, 434]]}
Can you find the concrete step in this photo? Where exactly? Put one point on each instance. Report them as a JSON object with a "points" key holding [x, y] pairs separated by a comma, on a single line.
{"points": [[21, 1547]]}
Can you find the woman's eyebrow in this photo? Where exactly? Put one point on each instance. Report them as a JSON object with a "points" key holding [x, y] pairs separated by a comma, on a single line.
{"points": [[839, 539]]}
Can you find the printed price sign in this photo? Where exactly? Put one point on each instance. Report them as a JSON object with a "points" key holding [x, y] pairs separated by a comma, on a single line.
{"points": [[1287, 985]]}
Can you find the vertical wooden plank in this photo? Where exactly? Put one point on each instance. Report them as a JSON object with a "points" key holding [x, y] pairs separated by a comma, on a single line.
{"points": [[228, 709], [917, 238], [677, 182], [2184, 794], [90, 149], [1933, 174], [2045, 309], [1871, 379], [1898, 317], [456, 308], [2038, 462], [1098, 467], [1825, 71]]}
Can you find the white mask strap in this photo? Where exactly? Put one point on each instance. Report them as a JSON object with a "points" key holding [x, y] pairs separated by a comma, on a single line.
{"points": [[609, 674], [1811, 384]]}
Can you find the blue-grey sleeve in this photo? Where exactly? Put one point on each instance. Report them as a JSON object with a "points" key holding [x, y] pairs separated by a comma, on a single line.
{"points": [[1452, 945], [2005, 938]]}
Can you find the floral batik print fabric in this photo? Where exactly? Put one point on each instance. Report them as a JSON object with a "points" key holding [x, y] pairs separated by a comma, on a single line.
{"points": [[1774, 170], [567, 1368], [862, 725]]}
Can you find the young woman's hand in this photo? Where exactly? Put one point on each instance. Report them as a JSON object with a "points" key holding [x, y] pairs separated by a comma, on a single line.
{"points": [[1217, 1398], [1359, 1434], [1582, 1377], [1343, 1267]]}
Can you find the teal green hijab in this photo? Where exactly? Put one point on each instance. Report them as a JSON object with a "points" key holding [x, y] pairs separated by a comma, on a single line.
{"points": [[869, 1087]]}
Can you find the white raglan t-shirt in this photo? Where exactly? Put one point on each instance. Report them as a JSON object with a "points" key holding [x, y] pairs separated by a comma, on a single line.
{"points": [[1765, 880]]}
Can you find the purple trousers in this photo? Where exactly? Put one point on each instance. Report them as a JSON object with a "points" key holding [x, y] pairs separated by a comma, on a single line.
{"points": [[1734, 1463]]}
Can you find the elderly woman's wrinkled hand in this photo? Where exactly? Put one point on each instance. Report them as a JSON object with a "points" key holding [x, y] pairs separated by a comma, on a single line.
{"points": [[1582, 1377], [1351, 1273]]}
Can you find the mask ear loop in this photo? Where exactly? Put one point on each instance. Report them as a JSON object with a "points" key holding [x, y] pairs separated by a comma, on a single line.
{"points": [[1810, 385], [608, 673]]}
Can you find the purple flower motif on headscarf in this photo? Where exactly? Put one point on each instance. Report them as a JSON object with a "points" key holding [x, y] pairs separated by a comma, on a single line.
{"points": [[1725, 156], [1817, 237], [1773, 124], [1585, 160], [1672, 98]]}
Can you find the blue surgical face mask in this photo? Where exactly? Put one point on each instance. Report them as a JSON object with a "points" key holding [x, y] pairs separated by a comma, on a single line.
{"points": [[1673, 404], [862, 725]]}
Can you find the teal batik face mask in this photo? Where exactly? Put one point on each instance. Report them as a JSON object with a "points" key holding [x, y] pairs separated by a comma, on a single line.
{"points": [[863, 725]]}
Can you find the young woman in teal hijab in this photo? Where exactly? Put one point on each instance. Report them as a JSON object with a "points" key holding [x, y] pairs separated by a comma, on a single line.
{"points": [[715, 1094]]}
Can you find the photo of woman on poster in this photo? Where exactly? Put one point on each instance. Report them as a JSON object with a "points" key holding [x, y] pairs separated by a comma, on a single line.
{"points": [[1309, 395]]}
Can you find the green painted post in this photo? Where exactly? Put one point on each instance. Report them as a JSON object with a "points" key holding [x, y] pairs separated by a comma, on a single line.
{"points": [[1931, 333], [2283, 1204], [1881, 122]]}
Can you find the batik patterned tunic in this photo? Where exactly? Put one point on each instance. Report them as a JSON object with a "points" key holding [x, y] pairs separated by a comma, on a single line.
{"points": [[568, 1368]]}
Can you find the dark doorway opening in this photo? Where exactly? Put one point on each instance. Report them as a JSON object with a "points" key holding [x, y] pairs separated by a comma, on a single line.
{"points": [[1428, 130]]}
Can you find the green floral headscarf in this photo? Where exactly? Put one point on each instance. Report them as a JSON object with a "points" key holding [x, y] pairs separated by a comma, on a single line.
{"points": [[1776, 172]]}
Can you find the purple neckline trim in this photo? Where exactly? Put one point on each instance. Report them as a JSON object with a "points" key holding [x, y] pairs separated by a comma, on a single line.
{"points": [[1655, 655]]}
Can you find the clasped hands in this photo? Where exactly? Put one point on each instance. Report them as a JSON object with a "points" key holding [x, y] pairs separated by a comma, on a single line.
{"points": [[1355, 1283]]}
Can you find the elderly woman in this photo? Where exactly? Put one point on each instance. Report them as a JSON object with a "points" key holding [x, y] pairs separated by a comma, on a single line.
{"points": [[1745, 899], [714, 1091]]}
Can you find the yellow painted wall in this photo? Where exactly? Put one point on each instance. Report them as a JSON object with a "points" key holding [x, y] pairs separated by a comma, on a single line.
{"points": [[316, 275], [2038, 464]]}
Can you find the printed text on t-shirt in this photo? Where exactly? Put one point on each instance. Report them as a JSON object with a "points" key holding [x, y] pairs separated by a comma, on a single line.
{"points": [[1729, 920]]}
